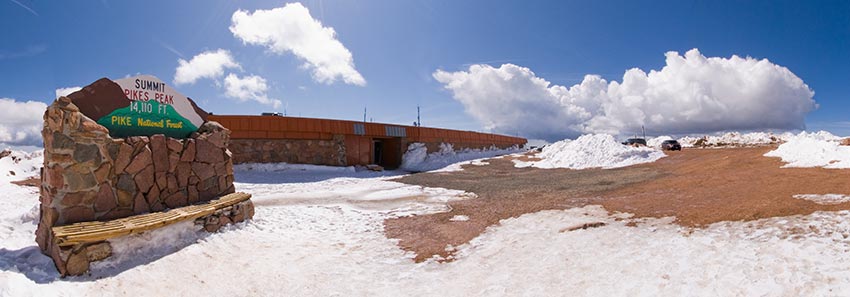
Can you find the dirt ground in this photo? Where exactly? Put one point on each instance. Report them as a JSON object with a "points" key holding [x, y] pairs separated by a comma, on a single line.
{"points": [[697, 186]]}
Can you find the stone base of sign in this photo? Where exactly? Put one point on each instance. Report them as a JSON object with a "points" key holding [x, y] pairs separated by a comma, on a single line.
{"points": [[229, 215], [294, 151], [76, 260], [89, 176]]}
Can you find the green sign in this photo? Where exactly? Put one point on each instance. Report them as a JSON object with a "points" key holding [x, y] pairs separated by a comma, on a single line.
{"points": [[144, 106]]}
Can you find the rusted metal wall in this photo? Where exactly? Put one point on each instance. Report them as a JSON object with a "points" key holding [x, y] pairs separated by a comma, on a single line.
{"points": [[359, 136]]}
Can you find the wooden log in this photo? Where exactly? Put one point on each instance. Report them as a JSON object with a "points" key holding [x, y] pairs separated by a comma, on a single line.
{"points": [[85, 232]]}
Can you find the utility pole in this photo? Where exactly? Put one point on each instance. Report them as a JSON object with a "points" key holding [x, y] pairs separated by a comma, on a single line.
{"points": [[418, 120], [644, 131], [364, 113]]}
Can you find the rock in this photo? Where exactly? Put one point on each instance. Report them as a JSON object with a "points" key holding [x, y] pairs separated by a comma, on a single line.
{"points": [[5, 153], [125, 152], [220, 168], [102, 173], [211, 127], [210, 184], [54, 176], [126, 183], [173, 161], [202, 170], [140, 206], [145, 179], [193, 180], [93, 127], [85, 198], [117, 214], [105, 200], [224, 220], [176, 200], [98, 251], [222, 183], [248, 207], [219, 139], [188, 154], [125, 199], [77, 214], [194, 196], [87, 153], [159, 152], [162, 180], [211, 223], [184, 171], [62, 142], [845, 141], [174, 145], [172, 183], [140, 161], [78, 262], [207, 152], [79, 181]]}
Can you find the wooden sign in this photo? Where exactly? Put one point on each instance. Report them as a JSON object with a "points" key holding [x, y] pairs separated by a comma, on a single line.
{"points": [[139, 106]]}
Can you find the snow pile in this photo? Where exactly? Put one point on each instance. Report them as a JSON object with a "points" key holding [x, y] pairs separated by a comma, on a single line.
{"points": [[655, 142], [735, 139], [20, 165], [825, 199], [417, 159], [813, 150], [591, 151]]}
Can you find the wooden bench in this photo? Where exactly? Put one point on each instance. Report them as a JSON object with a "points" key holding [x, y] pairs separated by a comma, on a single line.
{"points": [[87, 240]]}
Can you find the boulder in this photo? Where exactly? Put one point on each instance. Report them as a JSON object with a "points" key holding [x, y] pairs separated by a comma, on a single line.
{"points": [[159, 152]]}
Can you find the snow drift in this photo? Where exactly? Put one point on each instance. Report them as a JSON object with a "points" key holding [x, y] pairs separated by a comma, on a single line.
{"points": [[417, 159], [591, 151], [813, 150]]}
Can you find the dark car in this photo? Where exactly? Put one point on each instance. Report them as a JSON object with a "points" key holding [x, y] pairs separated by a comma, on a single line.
{"points": [[671, 145], [635, 142]]}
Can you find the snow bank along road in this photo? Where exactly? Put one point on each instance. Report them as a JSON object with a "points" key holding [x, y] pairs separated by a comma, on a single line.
{"points": [[697, 187]]}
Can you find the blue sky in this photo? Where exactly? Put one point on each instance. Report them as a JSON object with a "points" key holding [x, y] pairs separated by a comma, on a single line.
{"points": [[398, 45]]}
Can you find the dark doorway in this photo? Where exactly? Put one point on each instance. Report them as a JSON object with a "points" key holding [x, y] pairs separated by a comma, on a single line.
{"points": [[387, 152], [377, 152]]}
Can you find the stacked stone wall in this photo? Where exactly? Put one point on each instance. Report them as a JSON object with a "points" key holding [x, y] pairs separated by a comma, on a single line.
{"points": [[89, 176], [296, 151]]}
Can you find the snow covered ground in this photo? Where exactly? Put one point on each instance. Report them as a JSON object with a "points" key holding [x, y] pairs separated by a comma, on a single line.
{"points": [[321, 233], [591, 151], [417, 159]]}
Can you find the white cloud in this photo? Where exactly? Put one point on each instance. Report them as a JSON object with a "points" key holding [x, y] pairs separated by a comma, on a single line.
{"points": [[21, 122], [691, 94], [291, 28], [66, 91], [209, 64], [250, 87]]}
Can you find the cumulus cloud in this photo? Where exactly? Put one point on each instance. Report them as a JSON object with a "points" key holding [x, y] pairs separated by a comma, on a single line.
{"points": [[21, 122], [690, 94], [250, 87], [291, 28], [209, 64], [66, 91]]}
